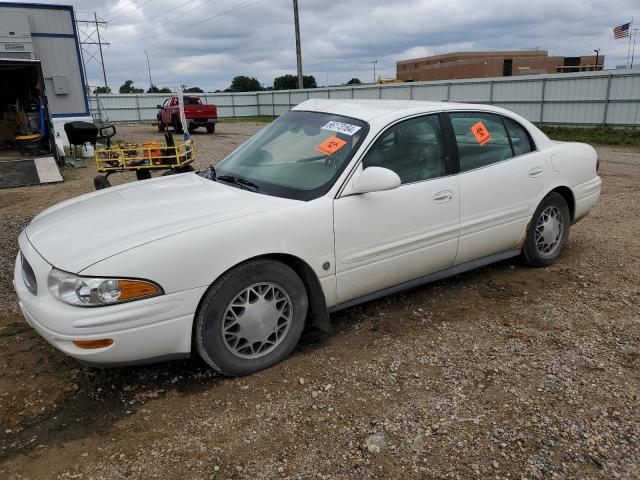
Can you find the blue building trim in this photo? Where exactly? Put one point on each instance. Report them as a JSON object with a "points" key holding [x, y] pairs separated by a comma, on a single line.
{"points": [[69, 8], [53, 35], [42, 6], [68, 115]]}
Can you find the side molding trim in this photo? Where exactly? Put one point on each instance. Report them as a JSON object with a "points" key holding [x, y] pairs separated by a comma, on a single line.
{"points": [[432, 277]]}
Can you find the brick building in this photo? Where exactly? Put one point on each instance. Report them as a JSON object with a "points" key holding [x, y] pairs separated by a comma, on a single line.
{"points": [[492, 64]]}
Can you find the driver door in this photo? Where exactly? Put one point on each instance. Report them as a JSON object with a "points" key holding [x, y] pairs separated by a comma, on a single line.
{"points": [[383, 239]]}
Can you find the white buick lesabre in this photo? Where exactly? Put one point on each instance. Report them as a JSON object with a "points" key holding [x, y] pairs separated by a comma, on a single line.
{"points": [[335, 203]]}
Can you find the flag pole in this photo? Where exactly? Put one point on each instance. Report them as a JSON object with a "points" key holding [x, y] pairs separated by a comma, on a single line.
{"points": [[629, 48], [633, 52]]}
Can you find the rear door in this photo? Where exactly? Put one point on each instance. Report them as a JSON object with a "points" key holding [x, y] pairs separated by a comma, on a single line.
{"points": [[501, 176], [386, 238]]}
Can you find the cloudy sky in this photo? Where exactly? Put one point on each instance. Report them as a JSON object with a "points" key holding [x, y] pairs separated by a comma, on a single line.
{"points": [[207, 42]]}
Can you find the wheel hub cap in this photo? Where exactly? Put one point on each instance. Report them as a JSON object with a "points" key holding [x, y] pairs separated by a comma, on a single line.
{"points": [[257, 320], [549, 230]]}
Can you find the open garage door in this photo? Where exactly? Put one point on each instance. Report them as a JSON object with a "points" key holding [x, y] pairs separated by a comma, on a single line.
{"points": [[25, 125]]}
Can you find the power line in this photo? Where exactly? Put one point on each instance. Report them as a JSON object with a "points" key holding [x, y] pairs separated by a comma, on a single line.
{"points": [[130, 11], [124, 7], [169, 11], [242, 6]]}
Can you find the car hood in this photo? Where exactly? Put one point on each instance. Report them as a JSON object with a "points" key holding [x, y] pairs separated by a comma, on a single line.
{"points": [[77, 233]]}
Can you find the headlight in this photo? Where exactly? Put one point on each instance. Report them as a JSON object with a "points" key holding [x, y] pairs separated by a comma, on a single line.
{"points": [[93, 292]]}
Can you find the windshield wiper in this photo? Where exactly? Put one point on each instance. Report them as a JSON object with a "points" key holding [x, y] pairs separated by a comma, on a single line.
{"points": [[241, 182]]}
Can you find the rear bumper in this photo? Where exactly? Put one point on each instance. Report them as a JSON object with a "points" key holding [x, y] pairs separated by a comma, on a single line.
{"points": [[142, 331], [586, 196]]}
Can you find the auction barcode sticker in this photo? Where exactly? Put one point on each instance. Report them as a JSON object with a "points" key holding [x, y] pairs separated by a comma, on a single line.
{"points": [[340, 127]]}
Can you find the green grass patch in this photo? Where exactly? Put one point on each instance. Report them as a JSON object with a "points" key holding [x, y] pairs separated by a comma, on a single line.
{"points": [[254, 119], [595, 135]]}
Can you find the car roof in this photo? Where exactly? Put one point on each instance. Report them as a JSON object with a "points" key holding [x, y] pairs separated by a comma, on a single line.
{"points": [[380, 113], [368, 110]]}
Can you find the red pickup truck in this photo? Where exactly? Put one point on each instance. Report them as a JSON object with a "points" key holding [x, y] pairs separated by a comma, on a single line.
{"points": [[197, 114]]}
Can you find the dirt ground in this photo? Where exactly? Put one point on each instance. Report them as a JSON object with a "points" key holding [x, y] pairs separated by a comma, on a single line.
{"points": [[506, 372]]}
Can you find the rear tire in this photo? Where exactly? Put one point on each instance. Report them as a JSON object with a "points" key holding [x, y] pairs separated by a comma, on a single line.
{"points": [[100, 182], [177, 125], [548, 231], [211, 127], [251, 318]]}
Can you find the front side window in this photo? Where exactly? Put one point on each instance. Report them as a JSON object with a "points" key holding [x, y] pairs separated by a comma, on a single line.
{"points": [[481, 139], [414, 149], [300, 155]]}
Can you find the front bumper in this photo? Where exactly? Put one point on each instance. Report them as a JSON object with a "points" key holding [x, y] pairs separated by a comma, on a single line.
{"points": [[141, 331]]}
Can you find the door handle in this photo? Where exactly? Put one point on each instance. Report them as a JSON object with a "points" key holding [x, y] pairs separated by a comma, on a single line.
{"points": [[443, 196], [535, 172]]}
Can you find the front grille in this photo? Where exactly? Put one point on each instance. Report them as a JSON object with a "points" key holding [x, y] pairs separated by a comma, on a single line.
{"points": [[28, 276]]}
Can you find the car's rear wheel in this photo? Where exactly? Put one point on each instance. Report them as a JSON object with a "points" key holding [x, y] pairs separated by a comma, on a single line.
{"points": [[211, 127], [548, 231], [251, 318]]}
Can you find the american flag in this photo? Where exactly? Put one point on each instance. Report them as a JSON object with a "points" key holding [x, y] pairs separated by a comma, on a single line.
{"points": [[621, 31]]}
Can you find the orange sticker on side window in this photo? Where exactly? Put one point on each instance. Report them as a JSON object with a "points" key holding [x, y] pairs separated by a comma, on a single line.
{"points": [[331, 145], [481, 133]]}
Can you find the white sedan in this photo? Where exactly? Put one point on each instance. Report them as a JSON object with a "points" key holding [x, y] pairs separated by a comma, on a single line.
{"points": [[335, 203]]}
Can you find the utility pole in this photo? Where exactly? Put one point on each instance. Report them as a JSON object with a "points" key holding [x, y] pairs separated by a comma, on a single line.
{"points": [[298, 49], [149, 68], [374, 70], [597, 50], [89, 38]]}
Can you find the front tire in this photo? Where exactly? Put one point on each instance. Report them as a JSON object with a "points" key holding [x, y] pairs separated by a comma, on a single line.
{"points": [[161, 126], [548, 231], [251, 318], [177, 125]]}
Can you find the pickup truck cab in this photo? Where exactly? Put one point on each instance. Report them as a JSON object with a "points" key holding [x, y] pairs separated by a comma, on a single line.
{"points": [[197, 114]]}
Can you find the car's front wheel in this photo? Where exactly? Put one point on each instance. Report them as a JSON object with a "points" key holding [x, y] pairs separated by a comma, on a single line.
{"points": [[548, 231], [251, 318]]}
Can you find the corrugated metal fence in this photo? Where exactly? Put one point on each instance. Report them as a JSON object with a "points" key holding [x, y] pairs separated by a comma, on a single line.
{"points": [[592, 98]]}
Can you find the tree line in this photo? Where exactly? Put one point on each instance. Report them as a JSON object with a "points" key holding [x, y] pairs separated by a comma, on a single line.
{"points": [[240, 83]]}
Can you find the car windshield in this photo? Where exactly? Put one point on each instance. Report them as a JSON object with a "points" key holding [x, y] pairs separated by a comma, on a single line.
{"points": [[298, 156]]}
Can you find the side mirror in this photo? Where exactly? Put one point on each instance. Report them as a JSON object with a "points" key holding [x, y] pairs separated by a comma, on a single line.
{"points": [[375, 179], [158, 107]]}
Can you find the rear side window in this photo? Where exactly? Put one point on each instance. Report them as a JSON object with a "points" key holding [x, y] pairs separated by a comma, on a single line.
{"points": [[481, 139], [520, 139]]}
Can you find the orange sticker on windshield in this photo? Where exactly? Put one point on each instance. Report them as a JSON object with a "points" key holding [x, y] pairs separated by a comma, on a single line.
{"points": [[481, 133], [331, 145]]}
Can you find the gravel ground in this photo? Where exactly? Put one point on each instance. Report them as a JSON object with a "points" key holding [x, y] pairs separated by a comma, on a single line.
{"points": [[505, 372]]}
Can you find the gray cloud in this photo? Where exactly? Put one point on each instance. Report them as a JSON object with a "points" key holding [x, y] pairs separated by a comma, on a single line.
{"points": [[256, 38]]}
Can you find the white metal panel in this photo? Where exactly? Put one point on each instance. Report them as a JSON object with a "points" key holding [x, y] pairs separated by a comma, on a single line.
{"points": [[573, 113], [397, 93], [627, 113], [59, 57], [298, 97], [366, 93], [318, 94], [530, 111], [517, 91], [470, 92], [243, 99], [340, 93], [431, 93], [246, 110], [625, 87], [281, 98], [576, 89]]}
